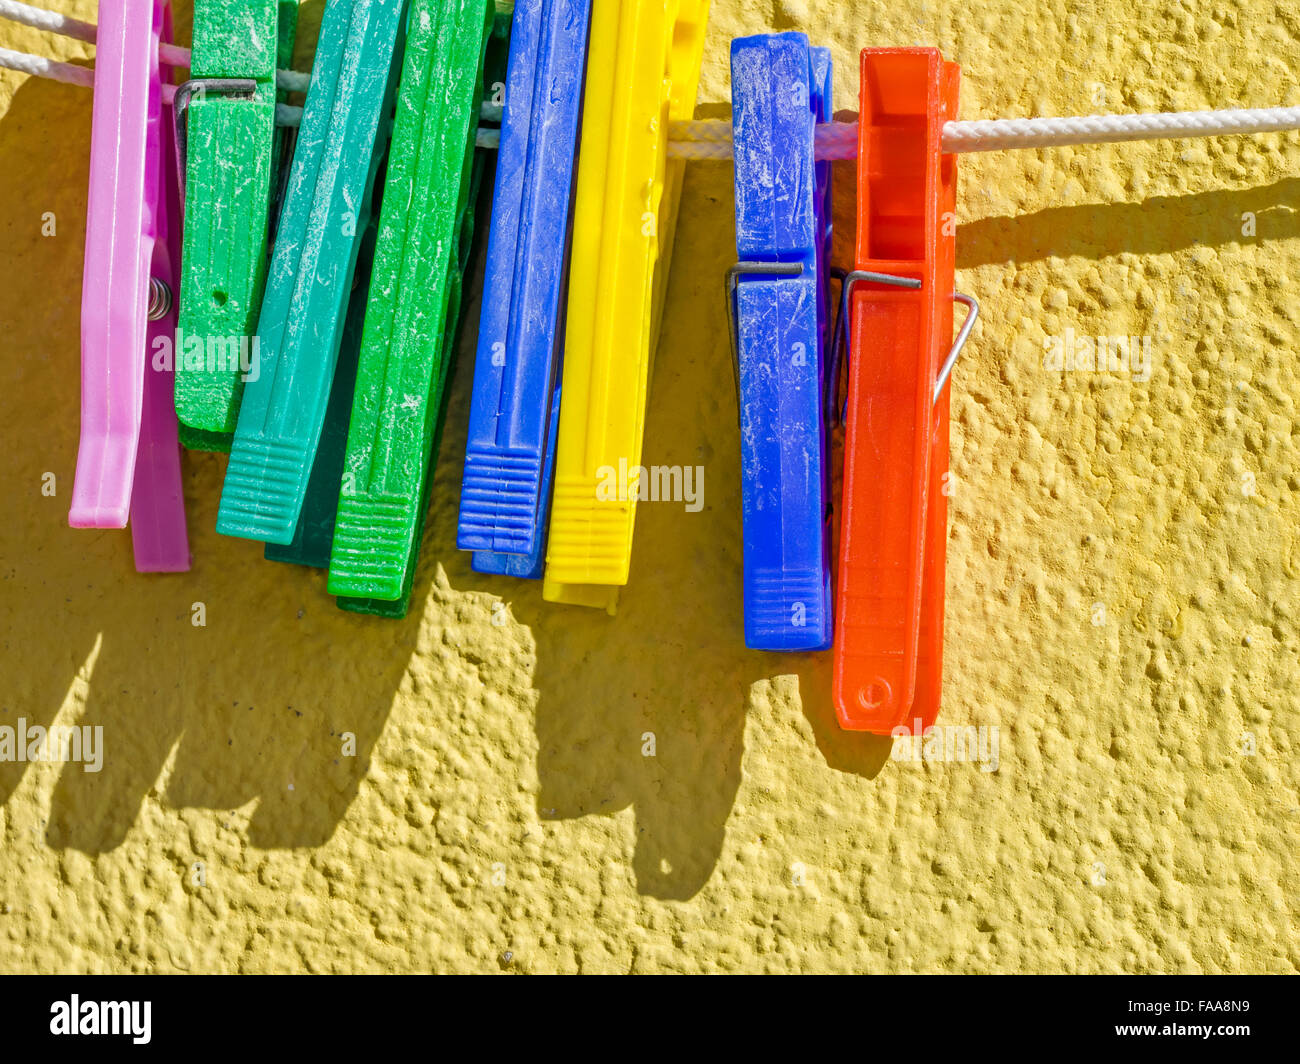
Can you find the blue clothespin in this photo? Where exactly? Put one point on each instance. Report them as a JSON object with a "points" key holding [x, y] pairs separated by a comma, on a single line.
{"points": [[776, 303], [514, 409]]}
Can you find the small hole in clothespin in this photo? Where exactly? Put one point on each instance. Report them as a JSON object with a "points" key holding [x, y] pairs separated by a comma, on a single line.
{"points": [[875, 694], [219, 298]]}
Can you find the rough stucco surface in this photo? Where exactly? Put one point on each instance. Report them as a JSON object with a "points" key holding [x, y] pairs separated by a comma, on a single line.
{"points": [[499, 812]]}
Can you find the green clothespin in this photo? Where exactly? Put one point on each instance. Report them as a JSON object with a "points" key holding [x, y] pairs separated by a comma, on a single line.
{"points": [[225, 117], [414, 299], [340, 144], [396, 608]]}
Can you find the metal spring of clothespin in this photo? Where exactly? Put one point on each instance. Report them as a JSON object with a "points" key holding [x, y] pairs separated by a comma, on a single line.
{"points": [[739, 270], [839, 342], [160, 299], [235, 88]]}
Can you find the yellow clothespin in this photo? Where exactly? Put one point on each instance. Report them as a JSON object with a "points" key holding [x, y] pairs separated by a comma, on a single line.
{"points": [[643, 71]]}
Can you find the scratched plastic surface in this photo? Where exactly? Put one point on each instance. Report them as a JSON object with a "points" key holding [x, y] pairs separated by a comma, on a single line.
{"points": [[327, 206], [781, 89], [414, 298], [890, 584], [230, 176], [514, 405]]}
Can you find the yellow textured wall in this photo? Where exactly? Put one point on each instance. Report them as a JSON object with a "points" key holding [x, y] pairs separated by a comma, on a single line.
{"points": [[499, 813]]}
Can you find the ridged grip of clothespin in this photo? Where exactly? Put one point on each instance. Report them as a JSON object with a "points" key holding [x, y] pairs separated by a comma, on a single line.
{"points": [[327, 205], [643, 70], [504, 502], [405, 348], [781, 89], [230, 177]]}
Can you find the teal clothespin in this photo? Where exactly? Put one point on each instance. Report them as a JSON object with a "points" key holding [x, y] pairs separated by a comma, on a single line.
{"points": [[414, 301], [327, 206], [315, 534], [225, 116]]}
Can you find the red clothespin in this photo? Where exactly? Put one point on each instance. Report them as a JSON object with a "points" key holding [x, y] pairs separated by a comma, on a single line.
{"points": [[897, 307]]}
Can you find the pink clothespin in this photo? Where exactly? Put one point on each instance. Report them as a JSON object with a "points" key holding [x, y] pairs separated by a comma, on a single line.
{"points": [[128, 461]]}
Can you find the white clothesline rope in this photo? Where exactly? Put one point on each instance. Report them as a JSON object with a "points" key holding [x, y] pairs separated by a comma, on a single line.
{"points": [[711, 139], [168, 54], [994, 134], [46, 68], [67, 26]]}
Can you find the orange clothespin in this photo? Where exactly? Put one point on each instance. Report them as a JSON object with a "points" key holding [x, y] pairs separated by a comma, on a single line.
{"points": [[897, 308]]}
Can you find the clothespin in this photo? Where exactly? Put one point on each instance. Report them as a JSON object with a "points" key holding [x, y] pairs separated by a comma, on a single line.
{"points": [[395, 609], [327, 205], [776, 306], [897, 308], [643, 70], [225, 118], [128, 460], [158, 535], [315, 533], [415, 287], [514, 409]]}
